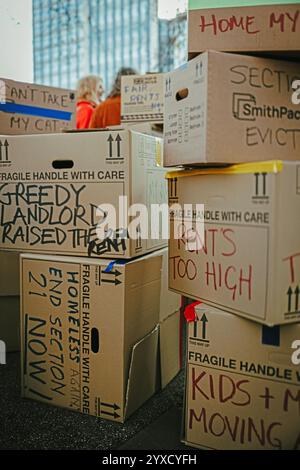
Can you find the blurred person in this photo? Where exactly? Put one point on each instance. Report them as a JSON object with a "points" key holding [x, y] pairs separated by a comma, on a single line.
{"points": [[89, 93], [108, 113]]}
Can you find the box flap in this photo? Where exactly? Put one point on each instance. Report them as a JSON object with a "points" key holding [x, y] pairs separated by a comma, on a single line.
{"points": [[141, 305], [169, 346], [141, 383]]}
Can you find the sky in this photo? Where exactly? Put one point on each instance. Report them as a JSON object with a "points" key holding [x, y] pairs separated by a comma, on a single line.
{"points": [[167, 8], [16, 60]]}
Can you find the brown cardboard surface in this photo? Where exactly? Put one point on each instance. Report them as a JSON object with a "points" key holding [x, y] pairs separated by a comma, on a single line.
{"points": [[37, 109], [169, 301], [249, 264], [242, 388], [58, 212], [141, 301], [63, 300], [264, 28], [10, 322], [9, 274], [142, 98], [142, 378], [169, 342], [235, 108]]}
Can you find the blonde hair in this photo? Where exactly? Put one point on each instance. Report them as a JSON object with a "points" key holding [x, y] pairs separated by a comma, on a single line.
{"points": [[87, 88]]}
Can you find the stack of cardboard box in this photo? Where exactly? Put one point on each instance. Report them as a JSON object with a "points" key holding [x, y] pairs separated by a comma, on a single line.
{"points": [[99, 329], [233, 120]]}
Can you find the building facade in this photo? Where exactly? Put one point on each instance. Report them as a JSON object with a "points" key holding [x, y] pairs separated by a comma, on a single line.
{"points": [[73, 38], [173, 42]]}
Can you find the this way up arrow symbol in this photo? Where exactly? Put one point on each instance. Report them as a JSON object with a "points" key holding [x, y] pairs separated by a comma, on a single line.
{"points": [[110, 405], [256, 183], [118, 140], [195, 329], [264, 175], [289, 294], [204, 321], [107, 413], [116, 272], [110, 140], [112, 281]]}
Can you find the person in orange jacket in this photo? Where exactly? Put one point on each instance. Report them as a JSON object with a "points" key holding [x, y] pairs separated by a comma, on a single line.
{"points": [[108, 113], [89, 92]]}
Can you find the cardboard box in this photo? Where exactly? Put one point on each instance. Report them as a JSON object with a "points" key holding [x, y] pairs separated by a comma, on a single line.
{"points": [[229, 108], [247, 261], [142, 98], [89, 332], [259, 26], [10, 301], [27, 108], [242, 388], [51, 187]]}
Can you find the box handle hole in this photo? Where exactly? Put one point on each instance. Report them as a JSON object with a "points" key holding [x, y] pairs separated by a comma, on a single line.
{"points": [[62, 164], [95, 340], [182, 94]]}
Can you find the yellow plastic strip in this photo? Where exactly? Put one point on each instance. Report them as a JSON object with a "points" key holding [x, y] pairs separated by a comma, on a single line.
{"points": [[158, 153], [273, 166]]}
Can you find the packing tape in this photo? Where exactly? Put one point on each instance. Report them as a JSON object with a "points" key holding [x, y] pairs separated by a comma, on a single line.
{"points": [[189, 312], [35, 111], [111, 265], [272, 166]]}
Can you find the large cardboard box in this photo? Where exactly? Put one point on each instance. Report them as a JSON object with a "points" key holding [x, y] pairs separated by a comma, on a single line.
{"points": [[10, 300], [247, 260], [229, 108], [259, 26], [27, 108], [89, 332], [142, 98], [242, 384], [51, 187]]}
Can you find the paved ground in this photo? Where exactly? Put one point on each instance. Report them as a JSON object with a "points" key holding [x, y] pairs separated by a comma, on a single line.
{"points": [[26, 424]]}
